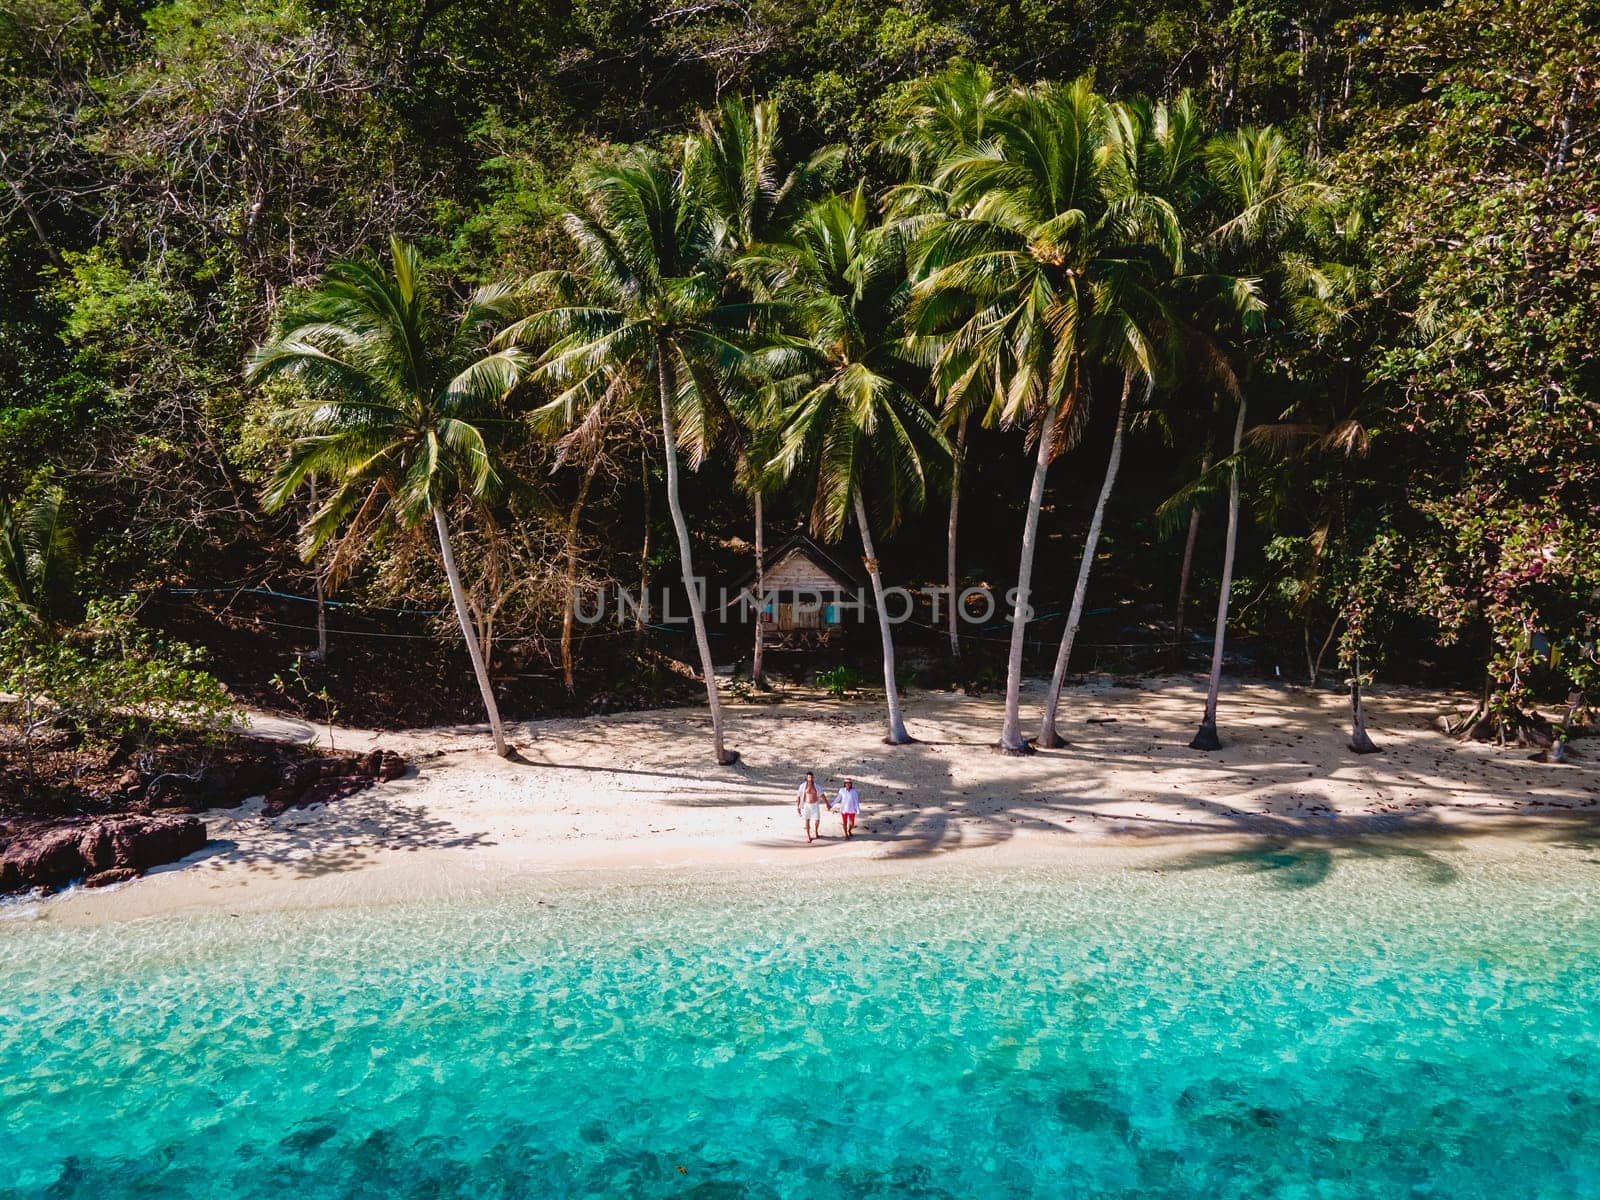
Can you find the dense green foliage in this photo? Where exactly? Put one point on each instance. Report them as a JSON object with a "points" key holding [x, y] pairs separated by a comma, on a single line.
{"points": [[1419, 479]]}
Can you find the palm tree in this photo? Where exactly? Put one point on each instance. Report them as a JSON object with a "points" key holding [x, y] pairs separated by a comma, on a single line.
{"points": [[855, 427], [38, 561], [648, 292], [1048, 735], [1325, 432], [397, 410], [1046, 261], [589, 452], [939, 118], [1263, 198], [1151, 164], [756, 446], [736, 169]]}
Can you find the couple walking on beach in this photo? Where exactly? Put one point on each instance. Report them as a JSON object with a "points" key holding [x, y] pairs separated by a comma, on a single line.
{"points": [[809, 799]]}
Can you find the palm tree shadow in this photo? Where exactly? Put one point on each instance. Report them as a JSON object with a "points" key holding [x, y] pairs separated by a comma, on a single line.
{"points": [[1307, 862]]}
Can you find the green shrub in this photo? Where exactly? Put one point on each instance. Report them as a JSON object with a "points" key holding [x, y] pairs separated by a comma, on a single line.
{"points": [[839, 681], [109, 678]]}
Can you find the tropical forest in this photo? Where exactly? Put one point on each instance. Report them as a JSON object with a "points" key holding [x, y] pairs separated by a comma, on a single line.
{"points": [[799, 599], [345, 347]]}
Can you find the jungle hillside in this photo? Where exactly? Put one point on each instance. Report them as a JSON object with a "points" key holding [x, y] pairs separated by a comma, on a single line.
{"points": [[346, 346]]}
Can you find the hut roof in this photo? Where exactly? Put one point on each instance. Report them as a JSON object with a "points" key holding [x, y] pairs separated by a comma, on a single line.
{"points": [[819, 558]]}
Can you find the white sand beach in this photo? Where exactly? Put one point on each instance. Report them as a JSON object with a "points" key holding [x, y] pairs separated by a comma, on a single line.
{"points": [[638, 790]]}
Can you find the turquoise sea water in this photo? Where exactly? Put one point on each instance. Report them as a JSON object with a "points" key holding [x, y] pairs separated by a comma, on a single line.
{"points": [[1275, 1024]]}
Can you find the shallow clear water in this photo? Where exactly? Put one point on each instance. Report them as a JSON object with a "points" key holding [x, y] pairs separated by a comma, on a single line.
{"points": [[1274, 1024]]}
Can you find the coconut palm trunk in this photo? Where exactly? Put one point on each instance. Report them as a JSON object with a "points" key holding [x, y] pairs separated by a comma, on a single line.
{"points": [[641, 614], [1180, 617], [958, 461], [758, 675], [458, 597], [1360, 741], [322, 594], [1206, 737], [1011, 739], [1183, 576], [669, 439], [891, 690], [1047, 733], [568, 614]]}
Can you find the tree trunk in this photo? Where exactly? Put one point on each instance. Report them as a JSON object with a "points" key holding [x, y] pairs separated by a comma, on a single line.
{"points": [[1360, 742], [1179, 620], [1048, 736], [956, 466], [1183, 582], [569, 613], [641, 615], [1011, 740], [1206, 737], [758, 675], [459, 598], [322, 598], [891, 690], [1558, 746], [669, 437], [1314, 665], [38, 229]]}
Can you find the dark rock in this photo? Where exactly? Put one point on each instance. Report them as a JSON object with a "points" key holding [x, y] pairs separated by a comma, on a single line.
{"points": [[248, 779], [95, 848], [326, 790], [323, 780], [170, 788], [106, 878], [144, 842], [279, 799], [45, 859], [50, 856]]}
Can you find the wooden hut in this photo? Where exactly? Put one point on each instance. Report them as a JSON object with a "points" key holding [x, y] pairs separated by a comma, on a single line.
{"points": [[808, 591]]}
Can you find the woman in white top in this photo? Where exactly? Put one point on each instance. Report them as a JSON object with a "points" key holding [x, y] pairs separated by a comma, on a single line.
{"points": [[808, 803], [847, 803]]}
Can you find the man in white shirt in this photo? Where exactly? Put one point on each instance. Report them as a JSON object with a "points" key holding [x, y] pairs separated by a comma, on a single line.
{"points": [[847, 803]]}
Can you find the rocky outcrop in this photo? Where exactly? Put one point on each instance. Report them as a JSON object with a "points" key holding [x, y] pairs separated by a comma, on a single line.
{"points": [[224, 786], [325, 779], [106, 850]]}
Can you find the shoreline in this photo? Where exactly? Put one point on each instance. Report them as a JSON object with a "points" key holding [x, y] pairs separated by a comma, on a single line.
{"points": [[397, 881], [632, 792]]}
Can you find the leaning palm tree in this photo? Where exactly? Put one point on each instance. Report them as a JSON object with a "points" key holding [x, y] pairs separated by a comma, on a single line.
{"points": [[1048, 735], [736, 169], [396, 412], [38, 559], [937, 120], [855, 428], [1040, 254], [647, 292], [1263, 200], [1149, 163]]}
